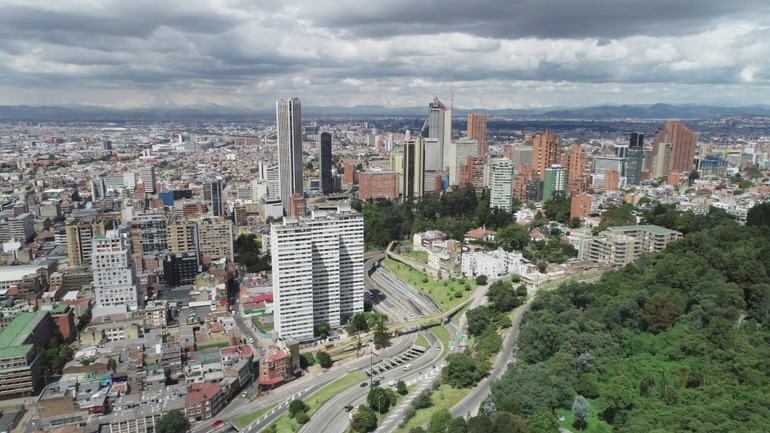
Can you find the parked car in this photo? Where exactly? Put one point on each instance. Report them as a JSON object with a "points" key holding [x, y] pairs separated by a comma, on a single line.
{"points": [[363, 384], [217, 423], [348, 408]]}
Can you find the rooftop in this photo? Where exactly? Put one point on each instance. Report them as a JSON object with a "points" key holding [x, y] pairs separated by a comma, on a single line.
{"points": [[20, 328]]}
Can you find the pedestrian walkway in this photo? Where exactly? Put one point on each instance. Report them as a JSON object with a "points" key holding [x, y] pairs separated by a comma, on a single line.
{"points": [[423, 382]]}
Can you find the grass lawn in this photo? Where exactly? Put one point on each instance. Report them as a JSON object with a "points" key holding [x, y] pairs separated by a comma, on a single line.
{"points": [[243, 421], [417, 256], [443, 398], [440, 291], [264, 328], [213, 345], [595, 424], [319, 398], [422, 341]]}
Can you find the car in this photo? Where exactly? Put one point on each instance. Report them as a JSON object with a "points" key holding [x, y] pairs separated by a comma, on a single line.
{"points": [[245, 394], [217, 423], [363, 384], [451, 348], [381, 378], [438, 348], [407, 367], [392, 383], [348, 408], [375, 383]]}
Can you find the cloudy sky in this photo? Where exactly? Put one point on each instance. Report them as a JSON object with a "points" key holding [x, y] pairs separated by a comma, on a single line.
{"points": [[489, 53]]}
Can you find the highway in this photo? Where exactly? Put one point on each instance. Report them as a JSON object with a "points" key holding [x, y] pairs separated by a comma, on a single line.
{"points": [[332, 417], [300, 388]]}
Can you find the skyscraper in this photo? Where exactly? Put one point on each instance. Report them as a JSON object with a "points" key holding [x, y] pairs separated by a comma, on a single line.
{"points": [[555, 181], [635, 159], [682, 141], [546, 149], [326, 162], [477, 130], [413, 184], [501, 184], [214, 197], [317, 272], [147, 176], [289, 137], [440, 127], [115, 281]]}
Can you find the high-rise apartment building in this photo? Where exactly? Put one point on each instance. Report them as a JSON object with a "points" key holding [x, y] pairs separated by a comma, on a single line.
{"points": [[115, 281], [326, 163], [183, 236], [374, 185], [149, 238], [611, 180], [440, 128], [555, 181], [413, 184], [215, 238], [472, 172], [575, 163], [477, 130], [213, 195], [546, 149], [635, 159], [80, 234], [289, 137], [661, 163], [461, 150], [147, 176], [317, 271], [501, 184], [683, 140]]}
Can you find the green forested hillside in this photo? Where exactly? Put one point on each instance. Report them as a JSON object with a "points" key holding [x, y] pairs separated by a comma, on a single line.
{"points": [[677, 342]]}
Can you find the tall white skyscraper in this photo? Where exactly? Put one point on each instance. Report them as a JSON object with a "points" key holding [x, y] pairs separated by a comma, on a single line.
{"points": [[440, 127], [147, 176], [115, 281], [501, 184], [317, 271], [460, 151], [288, 119]]}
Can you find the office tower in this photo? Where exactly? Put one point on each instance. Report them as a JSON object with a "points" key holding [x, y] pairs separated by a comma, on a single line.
{"points": [[661, 163], [440, 127], [461, 150], [534, 190], [546, 149], [682, 141], [433, 154], [271, 178], [477, 130], [180, 269], [521, 155], [98, 188], [603, 163], [620, 150], [147, 176], [635, 159], [149, 238], [611, 180], [317, 271], [21, 227], [115, 282], [326, 162], [501, 184], [214, 197], [80, 234], [183, 237], [289, 138], [413, 183], [555, 180], [215, 239]]}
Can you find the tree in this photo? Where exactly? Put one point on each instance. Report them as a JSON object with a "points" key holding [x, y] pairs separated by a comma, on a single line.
{"points": [[75, 196], [759, 215], [401, 387], [297, 406], [502, 296], [542, 422], [112, 364], [480, 424], [478, 320], [458, 425], [462, 371], [481, 280], [378, 400], [173, 422], [358, 323], [302, 417], [521, 290], [439, 421], [381, 336], [364, 420], [324, 329], [324, 359], [580, 412], [512, 237], [306, 360]]}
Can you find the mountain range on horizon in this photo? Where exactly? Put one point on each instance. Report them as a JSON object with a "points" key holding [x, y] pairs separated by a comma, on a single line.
{"points": [[219, 112]]}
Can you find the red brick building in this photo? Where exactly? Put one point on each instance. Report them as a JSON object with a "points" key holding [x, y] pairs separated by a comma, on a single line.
{"points": [[378, 185], [203, 401], [275, 367], [472, 172], [349, 178], [580, 207]]}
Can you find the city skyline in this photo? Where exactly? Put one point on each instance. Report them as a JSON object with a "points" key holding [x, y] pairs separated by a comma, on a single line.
{"points": [[489, 55]]}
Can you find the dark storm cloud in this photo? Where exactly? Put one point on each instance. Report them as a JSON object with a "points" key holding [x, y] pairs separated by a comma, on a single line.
{"points": [[542, 19]]}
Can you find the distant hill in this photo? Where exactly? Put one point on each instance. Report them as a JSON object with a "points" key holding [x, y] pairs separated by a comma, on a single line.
{"points": [[217, 112]]}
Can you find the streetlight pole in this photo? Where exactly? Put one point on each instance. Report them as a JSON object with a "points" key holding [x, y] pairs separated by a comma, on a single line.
{"points": [[371, 371]]}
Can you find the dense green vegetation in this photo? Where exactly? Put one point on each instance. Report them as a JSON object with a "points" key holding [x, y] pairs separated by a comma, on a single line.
{"points": [[454, 212], [247, 249], [676, 342]]}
